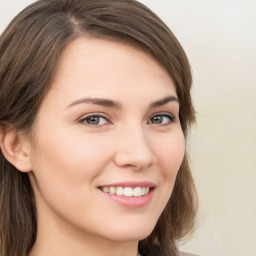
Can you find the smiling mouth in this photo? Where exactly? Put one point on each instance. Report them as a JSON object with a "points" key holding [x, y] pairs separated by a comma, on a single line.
{"points": [[126, 191]]}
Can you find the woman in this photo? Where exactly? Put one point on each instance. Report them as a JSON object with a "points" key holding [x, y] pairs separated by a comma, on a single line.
{"points": [[95, 109]]}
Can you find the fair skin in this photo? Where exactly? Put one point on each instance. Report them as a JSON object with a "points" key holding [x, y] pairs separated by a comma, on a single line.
{"points": [[110, 119]]}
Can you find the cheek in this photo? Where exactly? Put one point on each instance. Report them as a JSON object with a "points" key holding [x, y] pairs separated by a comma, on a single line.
{"points": [[66, 167], [68, 155], [64, 170], [171, 154]]}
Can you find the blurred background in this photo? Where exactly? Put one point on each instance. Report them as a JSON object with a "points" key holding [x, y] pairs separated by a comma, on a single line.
{"points": [[219, 38]]}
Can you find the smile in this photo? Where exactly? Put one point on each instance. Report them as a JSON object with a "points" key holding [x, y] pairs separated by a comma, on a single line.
{"points": [[129, 194], [126, 191]]}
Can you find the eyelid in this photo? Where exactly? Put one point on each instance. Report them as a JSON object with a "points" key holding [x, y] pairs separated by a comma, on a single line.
{"points": [[108, 120], [165, 114], [82, 119]]}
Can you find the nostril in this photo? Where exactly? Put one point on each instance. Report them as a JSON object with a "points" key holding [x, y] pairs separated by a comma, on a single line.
{"points": [[136, 161]]}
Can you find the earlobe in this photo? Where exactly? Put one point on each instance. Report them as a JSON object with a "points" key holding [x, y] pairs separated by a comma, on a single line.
{"points": [[14, 147]]}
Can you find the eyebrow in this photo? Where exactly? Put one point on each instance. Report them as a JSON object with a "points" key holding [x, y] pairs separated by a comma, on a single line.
{"points": [[97, 101], [164, 101], [116, 104]]}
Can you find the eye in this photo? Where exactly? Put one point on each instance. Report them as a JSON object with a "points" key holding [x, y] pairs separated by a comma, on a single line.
{"points": [[162, 119], [94, 120]]}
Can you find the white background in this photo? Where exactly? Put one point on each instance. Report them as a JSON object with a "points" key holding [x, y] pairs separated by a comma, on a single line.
{"points": [[220, 40]]}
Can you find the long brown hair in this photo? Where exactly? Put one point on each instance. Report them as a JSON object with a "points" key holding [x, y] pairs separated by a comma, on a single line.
{"points": [[29, 51]]}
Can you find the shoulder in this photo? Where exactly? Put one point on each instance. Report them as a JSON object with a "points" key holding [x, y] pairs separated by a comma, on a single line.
{"points": [[187, 254]]}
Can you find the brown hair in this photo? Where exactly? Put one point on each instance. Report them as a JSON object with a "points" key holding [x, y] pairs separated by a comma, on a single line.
{"points": [[29, 51]]}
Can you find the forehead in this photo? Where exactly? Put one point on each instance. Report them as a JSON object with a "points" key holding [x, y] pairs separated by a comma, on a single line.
{"points": [[98, 66], [95, 52]]}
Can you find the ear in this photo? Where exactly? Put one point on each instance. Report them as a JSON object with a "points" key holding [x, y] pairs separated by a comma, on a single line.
{"points": [[15, 148]]}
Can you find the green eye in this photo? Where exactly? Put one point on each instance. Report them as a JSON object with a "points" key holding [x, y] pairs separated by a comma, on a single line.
{"points": [[161, 119], [94, 120]]}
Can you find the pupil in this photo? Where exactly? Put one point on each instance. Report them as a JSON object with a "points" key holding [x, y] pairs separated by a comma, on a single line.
{"points": [[157, 119], [93, 120]]}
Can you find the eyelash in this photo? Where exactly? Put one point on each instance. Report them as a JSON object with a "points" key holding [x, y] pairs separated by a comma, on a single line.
{"points": [[169, 116], [86, 118]]}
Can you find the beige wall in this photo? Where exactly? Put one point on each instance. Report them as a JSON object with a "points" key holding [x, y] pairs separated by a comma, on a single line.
{"points": [[220, 40]]}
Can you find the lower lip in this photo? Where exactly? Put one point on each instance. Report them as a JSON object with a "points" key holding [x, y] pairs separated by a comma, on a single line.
{"points": [[131, 201]]}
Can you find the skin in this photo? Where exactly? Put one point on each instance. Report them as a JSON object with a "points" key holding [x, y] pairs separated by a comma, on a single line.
{"points": [[71, 158]]}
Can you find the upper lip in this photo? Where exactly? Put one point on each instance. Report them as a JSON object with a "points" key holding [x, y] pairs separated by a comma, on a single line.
{"points": [[132, 184]]}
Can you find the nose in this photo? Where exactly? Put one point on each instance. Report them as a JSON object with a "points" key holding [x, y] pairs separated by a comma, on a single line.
{"points": [[134, 149]]}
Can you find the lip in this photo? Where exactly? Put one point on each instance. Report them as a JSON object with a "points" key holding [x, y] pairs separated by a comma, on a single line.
{"points": [[131, 184], [130, 202]]}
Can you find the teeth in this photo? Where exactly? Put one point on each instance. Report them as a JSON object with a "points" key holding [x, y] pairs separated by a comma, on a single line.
{"points": [[119, 191], [126, 191], [112, 190], [106, 189], [137, 192]]}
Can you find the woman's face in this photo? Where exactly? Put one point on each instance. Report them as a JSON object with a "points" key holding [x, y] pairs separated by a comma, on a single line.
{"points": [[107, 143]]}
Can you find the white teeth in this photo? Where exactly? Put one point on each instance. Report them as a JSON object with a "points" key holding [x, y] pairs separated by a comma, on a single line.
{"points": [[137, 192], [106, 189], [112, 190], [119, 191], [126, 191]]}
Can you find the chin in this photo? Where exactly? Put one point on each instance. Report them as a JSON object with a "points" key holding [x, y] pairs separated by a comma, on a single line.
{"points": [[131, 231]]}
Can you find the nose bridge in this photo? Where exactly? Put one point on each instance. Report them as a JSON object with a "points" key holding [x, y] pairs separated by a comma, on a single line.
{"points": [[134, 147]]}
